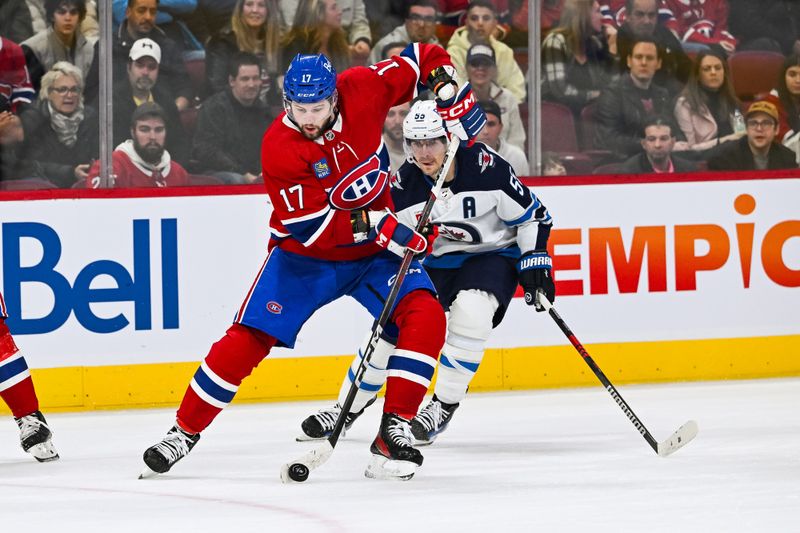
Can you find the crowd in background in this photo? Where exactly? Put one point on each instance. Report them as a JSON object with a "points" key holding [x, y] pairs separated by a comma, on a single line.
{"points": [[627, 85]]}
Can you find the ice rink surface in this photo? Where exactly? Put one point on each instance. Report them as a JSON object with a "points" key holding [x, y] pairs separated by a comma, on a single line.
{"points": [[562, 460]]}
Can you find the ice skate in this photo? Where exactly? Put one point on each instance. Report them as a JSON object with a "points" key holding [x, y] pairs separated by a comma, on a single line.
{"points": [[160, 457], [393, 457], [431, 421], [36, 438], [320, 425]]}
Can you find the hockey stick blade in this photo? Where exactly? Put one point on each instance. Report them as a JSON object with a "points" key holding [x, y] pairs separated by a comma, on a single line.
{"points": [[297, 471], [679, 439]]}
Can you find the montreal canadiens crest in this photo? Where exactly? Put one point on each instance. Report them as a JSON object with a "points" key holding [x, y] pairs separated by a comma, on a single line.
{"points": [[362, 185]]}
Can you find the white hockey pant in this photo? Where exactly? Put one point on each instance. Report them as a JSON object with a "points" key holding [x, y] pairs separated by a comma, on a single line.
{"points": [[374, 376], [468, 327]]}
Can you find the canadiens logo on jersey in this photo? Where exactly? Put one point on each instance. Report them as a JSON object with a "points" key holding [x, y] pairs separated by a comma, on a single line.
{"points": [[321, 168], [274, 308], [363, 184], [485, 160]]}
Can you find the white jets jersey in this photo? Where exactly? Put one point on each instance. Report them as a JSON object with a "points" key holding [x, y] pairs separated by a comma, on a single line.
{"points": [[485, 209]]}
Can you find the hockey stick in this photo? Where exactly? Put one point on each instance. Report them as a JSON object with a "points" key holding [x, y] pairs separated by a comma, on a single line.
{"points": [[678, 440], [299, 469]]}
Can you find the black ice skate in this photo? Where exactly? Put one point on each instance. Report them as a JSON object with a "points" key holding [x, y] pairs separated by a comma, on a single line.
{"points": [[393, 457], [432, 420], [36, 437], [320, 425], [162, 456]]}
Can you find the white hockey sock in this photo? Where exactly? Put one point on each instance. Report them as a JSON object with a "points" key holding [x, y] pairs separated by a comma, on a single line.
{"points": [[458, 363], [468, 327], [374, 377]]}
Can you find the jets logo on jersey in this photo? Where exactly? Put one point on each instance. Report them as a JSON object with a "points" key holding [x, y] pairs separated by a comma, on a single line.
{"points": [[362, 185], [274, 307], [485, 160], [321, 168]]}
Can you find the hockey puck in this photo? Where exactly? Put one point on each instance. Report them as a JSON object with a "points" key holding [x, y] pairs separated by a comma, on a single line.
{"points": [[298, 472]]}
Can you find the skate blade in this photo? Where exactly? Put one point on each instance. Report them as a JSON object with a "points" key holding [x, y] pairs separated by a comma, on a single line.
{"points": [[147, 473], [306, 438], [44, 452], [382, 468]]}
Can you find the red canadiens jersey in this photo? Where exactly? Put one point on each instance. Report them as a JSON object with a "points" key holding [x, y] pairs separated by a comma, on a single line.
{"points": [[701, 21], [314, 185], [15, 83]]}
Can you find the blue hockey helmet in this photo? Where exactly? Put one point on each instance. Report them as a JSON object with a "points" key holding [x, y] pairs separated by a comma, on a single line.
{"points": [[310, 78]]}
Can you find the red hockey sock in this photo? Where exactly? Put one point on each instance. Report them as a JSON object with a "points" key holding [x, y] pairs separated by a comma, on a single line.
{"points": [[422, 326], [16, 385], [230, 360]]}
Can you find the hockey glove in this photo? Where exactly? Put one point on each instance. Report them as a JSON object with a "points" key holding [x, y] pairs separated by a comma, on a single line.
{"points": [[535, 274], [395, 236], [462, 115]]}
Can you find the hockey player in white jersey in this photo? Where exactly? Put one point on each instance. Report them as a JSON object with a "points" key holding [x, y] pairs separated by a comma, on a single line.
{"points": [[492, 234]]}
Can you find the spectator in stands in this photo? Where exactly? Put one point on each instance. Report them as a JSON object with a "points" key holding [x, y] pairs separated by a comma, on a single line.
{"points": [[787, 100], [455, 14], [658, 142], [392, 49], [255, 27], [353, 21], [168, 11], [142, 160], [61, 41], [15, 83], [419, 27], [480, 27], [766, 25], [756, 151], [61, 139], [393, 134], [15, 20], [623, 108], [642, 22], [576, 63], [615, 11], [707, 111], [142, 83], [227, 143], [140, 17], [15, 93], [552, 165], [317, 29], [491, 136], [701, 24], [482, 72]]}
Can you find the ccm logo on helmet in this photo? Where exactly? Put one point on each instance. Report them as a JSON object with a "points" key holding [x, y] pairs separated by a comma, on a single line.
{"points": [[360, 186], [457, 110]]}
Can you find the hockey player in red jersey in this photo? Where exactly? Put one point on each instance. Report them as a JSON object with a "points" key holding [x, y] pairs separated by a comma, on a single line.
{"points": [[326, 170], [16, 389]]}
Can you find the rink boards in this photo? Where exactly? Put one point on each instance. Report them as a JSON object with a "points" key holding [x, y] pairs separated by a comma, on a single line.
{"points": [[115, 297]]}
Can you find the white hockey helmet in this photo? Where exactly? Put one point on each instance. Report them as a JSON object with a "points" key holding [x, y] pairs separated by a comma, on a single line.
{"points": [[422, 122]]}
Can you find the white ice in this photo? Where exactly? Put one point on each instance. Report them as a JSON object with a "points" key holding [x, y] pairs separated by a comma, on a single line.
{"points": [[561, 460]]}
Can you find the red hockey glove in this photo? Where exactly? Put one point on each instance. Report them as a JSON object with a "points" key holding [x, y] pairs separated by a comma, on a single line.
{"points": [[396, 237]]}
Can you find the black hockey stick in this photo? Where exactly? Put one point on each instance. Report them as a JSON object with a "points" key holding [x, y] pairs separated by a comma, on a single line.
{"points": [[679, 439], [299, 469]]}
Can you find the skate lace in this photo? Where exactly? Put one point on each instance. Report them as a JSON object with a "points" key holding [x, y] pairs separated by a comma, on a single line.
{"points": [[399, 432], [327, 417], [174, 446], [29, 425], [432, 416]]}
